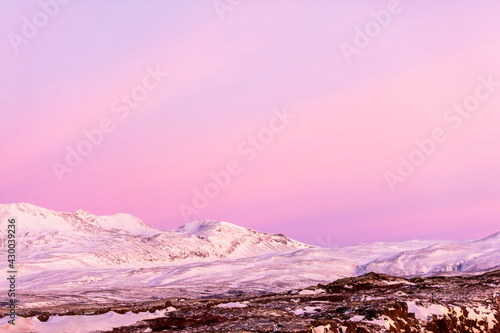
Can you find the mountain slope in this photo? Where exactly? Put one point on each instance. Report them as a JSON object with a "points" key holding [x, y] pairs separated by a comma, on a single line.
{"points": [[81, 239], [460, 257]]}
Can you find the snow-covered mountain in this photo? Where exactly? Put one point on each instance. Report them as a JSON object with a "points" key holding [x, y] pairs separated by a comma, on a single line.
{"points": [[477, 256], [80, 255], [49, 238], [34, 220]]}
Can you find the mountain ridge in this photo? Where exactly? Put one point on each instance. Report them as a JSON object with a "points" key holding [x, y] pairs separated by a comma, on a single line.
{"points": [[77, 254], [124, 239]]}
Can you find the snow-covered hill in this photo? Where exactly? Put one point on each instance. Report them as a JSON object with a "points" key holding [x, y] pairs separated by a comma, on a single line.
{"points": [[81, 256], [53, 239], [477, 256]]}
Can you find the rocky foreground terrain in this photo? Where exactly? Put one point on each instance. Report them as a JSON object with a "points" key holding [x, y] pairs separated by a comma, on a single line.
{"points": [[369, 303]]}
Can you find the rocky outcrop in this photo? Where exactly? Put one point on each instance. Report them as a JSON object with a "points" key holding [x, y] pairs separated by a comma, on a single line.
{"points": [[368, 303]]}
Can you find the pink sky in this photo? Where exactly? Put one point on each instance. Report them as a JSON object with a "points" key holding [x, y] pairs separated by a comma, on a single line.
{"points": [[321, 177]]}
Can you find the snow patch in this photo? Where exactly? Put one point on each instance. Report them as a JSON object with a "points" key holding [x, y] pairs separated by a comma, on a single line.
{"points": [[311, 292], [423, 313], [480, 313], [232, 305], [77, 324], [307, 309]]}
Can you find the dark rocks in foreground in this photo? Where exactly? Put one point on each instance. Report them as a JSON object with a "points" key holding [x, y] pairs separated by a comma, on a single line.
{"points": [[368, 303]]}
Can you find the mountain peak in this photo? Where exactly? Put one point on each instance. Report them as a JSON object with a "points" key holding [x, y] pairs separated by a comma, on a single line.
{"points": [[202, 226], [491, 238], [35, 219], [82, 212], [494, 236], [26, 207]]}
